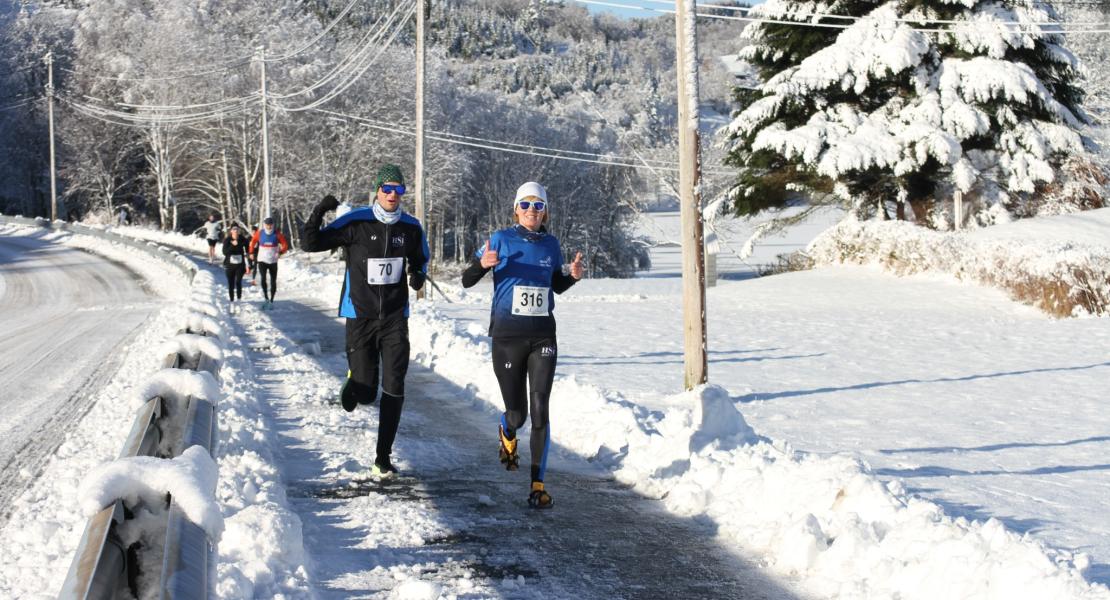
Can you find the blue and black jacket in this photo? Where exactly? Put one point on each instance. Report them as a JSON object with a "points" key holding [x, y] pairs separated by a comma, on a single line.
{"points": [[530, 259], [365, 237]]}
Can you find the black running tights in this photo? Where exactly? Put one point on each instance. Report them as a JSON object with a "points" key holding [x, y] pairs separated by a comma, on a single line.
{"points": [[235, 281], [521, 363], [270, 268]]}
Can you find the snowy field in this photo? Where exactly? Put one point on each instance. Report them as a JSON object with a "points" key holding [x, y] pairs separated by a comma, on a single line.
{"points": [[866, 436], [664, 229]]}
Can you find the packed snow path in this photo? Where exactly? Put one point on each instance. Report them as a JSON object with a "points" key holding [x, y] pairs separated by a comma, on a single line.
{"points": [[454, 518], [65, 314]]}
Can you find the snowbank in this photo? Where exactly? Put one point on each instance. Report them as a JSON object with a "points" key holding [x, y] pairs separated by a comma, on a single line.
{"points": [[828, 521], [1061, 277]]}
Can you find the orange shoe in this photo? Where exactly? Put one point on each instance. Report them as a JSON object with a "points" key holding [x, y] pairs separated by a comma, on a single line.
{"points": [[507, 452], [539, 498]]}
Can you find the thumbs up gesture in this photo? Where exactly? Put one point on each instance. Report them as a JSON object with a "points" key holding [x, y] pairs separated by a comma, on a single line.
{"points": [[576, 267], [489, 258]]}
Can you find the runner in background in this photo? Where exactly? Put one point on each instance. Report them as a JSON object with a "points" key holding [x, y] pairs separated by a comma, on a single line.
{"points": [[527, 265], [235, 265], [212, 235], [266, 246], [252, 260]]}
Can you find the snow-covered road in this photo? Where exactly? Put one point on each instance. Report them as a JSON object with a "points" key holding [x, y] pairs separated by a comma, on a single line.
{"points": [[64, 314]]}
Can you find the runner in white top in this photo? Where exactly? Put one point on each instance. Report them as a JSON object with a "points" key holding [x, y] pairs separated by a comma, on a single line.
{"points": [[212, 234]]}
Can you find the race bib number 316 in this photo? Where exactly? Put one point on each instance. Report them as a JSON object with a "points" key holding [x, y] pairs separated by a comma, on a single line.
{"points": [[530, 301], [384, 271]]}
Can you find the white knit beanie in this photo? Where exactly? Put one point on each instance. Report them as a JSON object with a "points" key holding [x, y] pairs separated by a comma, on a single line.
{"points": [[530, 189]]}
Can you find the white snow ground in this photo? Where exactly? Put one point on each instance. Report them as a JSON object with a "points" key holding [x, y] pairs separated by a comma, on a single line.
{"points": [[981, 408]]}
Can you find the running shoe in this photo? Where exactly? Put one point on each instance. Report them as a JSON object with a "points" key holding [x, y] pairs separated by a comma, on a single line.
{"points": [[539, 498], [349, 394], [383, 469], [507, 451]]}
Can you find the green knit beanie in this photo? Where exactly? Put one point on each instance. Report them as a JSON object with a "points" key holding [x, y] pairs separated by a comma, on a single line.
{"points": [[388, 173]]}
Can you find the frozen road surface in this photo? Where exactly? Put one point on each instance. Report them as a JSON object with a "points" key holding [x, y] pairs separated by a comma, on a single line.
{"points": [[64, 314]]}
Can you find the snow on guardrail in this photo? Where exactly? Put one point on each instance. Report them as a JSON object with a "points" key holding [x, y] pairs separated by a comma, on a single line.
{"points": [[160, 486]]}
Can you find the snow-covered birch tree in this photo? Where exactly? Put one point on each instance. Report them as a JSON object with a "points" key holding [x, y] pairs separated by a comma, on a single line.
{"points": [[910, 103]]}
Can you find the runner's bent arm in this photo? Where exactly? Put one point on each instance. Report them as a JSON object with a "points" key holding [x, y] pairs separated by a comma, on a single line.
{"points": [[418, 257], [561, 283], [315, 239], [476, 271]]}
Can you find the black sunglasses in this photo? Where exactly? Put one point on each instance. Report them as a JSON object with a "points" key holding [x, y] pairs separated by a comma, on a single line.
{"points": [[390, 188], [539, 205]]}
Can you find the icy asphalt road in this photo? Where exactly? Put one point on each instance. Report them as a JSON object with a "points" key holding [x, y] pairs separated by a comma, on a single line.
{"points": [[59, 307], [456, 519]]}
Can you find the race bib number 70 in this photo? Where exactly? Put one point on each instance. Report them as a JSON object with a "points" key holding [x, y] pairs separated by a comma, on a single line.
{"points": [[530, 301], [384, 271]]}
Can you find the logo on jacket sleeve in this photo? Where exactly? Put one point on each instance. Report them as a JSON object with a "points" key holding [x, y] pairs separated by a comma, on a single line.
{"points": [[399, 240]]}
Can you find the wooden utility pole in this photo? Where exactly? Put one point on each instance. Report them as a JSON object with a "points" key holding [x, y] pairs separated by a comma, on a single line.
{"points": [[265, 142], [689, 175], [231, 214], [50, 121], [418, 176], [957, 209]]}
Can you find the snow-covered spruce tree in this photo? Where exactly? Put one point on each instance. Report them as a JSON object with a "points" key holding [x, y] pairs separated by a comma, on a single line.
{"points": [[886, 111]]}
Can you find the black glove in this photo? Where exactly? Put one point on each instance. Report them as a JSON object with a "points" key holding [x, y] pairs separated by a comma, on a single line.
{"points": [[416, 280], [328, 203]]}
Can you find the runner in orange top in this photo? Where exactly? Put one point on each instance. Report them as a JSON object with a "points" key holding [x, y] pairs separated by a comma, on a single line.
{"points": [[267, 244]]}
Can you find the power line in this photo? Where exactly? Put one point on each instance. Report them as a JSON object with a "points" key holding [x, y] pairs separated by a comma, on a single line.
{"points": [[342, 87], [173, 107], [371, 37], [17, 104], [502, 146], [147, 119], [338, 18], [222, 68]]}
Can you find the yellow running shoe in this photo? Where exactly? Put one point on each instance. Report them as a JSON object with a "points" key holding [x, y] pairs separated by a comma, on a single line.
{"points": [[539, 498], [507, 452]]}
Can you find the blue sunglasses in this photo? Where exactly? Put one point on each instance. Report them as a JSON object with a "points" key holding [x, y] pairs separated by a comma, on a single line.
{"points": [[539, 205], [389, 189]]}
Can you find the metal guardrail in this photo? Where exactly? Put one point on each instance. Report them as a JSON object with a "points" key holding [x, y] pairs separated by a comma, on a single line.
{"points": [[189, 558], [103, 568], [102, 565]]}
